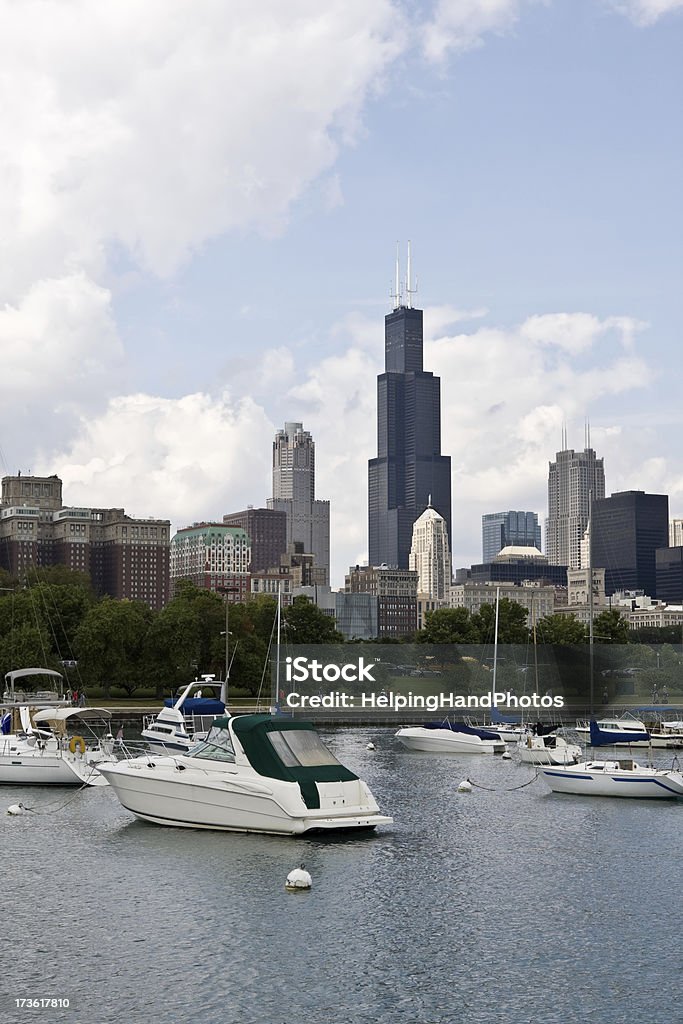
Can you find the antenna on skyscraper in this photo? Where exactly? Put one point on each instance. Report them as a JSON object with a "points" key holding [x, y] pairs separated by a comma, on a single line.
{"points": [[409, 289], [396, 295], [588, 434]]}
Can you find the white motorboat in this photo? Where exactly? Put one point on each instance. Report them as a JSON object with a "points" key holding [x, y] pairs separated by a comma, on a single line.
{"points": [[253, 773], [450, 737], [548, 749], [185, 719], [614, 778], [49, 749]]}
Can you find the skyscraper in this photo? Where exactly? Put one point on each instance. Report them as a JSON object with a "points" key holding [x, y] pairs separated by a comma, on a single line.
{"points": [[308, 519], [628, 528], [504, 529], [409, 466], [571, 478], [430, 555]]}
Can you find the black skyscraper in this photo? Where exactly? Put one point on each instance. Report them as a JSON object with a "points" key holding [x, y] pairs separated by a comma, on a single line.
{"points": [[628, 528], [409, 467]]}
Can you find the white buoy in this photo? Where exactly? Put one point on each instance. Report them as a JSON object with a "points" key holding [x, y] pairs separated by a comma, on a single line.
{"points": [[507, 756], [298, 880], [370, 746], [465, 786], [17, 809]]}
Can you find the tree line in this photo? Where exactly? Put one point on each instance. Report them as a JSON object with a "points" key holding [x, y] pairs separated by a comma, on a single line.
{"points": [[53, 619]]}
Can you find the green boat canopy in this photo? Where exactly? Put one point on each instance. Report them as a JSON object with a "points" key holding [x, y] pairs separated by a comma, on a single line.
{"points": [[288, 750]]}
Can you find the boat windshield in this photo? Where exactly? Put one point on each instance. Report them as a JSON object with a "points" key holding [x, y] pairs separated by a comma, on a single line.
{"points": [[301, 749], [216, 747]]}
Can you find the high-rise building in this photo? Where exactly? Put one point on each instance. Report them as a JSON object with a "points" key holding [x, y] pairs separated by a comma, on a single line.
{"points": [[124, 557], [675, 533], [627, 529], [396, 594], [409, 466], [267, 532], [504, 529], [430, 555], [214, 557], [571, 479], [669, 569], [308, 519]]}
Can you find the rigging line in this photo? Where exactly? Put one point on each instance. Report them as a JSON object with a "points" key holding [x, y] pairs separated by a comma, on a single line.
{"points": [[495, 789], [45, 808]]}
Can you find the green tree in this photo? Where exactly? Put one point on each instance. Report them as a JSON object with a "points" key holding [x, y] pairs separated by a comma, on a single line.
{"points": [[305, 623], [609, 627], [111, 645], [560, 629], [449, 626], [512, 627], [184, 640]]}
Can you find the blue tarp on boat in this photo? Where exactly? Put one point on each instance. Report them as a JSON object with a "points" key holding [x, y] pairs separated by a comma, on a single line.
{"points": [[601, 738], [483, 734]]}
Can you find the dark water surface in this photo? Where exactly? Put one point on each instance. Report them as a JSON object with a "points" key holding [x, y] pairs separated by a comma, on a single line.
{"points": [[481, 908]]}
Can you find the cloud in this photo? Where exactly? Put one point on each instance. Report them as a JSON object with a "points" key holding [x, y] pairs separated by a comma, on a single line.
{"points": [[460, 25], [646, 12], [186, 459], [161, 125]]}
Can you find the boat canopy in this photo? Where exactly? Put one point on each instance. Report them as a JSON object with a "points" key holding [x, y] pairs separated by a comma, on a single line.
{"points": [[600, 738], [65, 714], [287, 750], [483, 734], [22, 673]]}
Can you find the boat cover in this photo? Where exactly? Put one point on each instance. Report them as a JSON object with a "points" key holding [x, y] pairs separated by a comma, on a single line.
{"points": [[483, 734], [600, 738], [198, 705], [252, 732]]}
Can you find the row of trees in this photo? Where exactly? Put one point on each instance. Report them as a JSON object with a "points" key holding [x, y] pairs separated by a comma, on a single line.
{"points": [[53, 617]]}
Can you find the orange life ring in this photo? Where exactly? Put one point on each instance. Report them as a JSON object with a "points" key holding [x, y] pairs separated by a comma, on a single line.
{"points": [[77, 743]]}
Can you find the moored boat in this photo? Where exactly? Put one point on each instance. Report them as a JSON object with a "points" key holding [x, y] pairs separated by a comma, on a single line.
{"points": [[59, 746], [186, 718], [622, 778], [450, 737], [252, 773]]}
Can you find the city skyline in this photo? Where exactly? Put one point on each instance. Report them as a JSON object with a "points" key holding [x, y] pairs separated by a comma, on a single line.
{"points": [[180, 278]]}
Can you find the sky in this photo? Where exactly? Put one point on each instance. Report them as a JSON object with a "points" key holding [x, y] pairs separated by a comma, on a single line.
{"points": [[200, 206]]}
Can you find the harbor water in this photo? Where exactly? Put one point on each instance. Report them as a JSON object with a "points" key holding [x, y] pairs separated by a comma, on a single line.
{"points": [[505, 904]]}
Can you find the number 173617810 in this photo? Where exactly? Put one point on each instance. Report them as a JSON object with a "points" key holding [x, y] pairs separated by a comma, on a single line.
{"points": [[41, 1003]]}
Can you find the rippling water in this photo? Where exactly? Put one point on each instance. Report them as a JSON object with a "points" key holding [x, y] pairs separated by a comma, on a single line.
{"points": [[488, 907]]}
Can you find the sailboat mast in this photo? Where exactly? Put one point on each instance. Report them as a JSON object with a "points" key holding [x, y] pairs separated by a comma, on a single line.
{"points": [[590, 602], [495, 639]]}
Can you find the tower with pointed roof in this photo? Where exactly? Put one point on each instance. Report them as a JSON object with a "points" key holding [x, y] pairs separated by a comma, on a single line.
{"points": [[430, 555]]}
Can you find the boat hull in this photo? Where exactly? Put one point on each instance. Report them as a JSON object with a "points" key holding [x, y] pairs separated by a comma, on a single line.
{"points": [[643, 784], [195, 800], [444, 741], [47, 770]]}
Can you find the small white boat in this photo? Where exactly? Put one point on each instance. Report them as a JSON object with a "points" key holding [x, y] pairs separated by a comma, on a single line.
{"points": [[614, 778], [450, 737], [185, 719], [619, 731], [50, 748], [548, 749], [253, 773], [36, 687]]}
